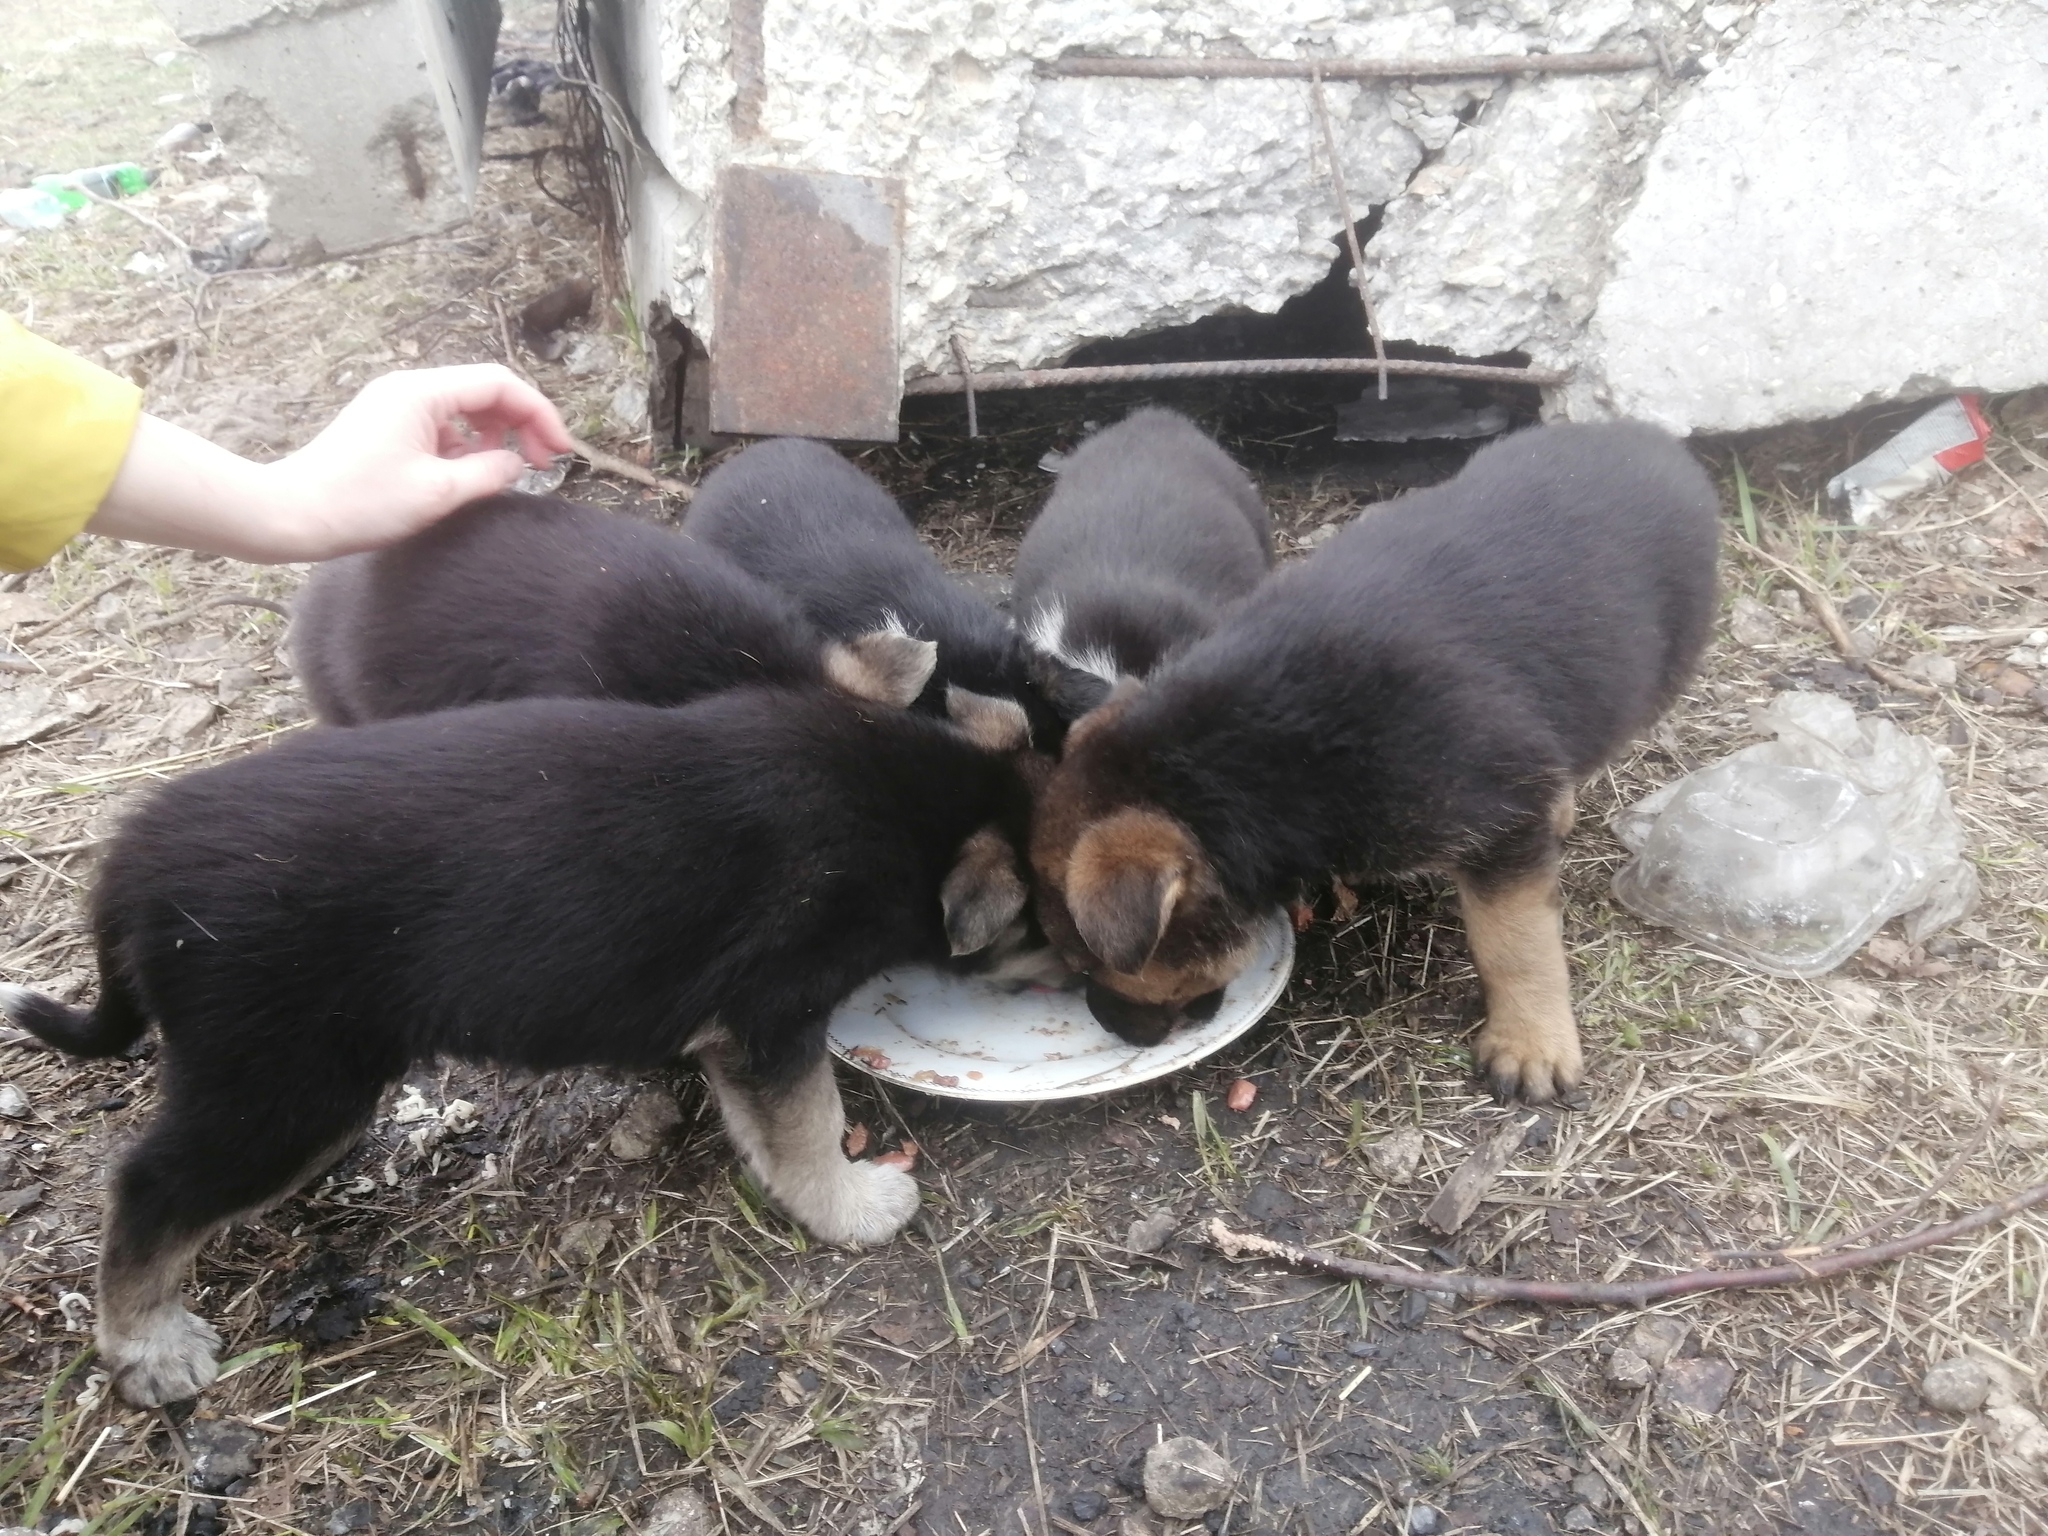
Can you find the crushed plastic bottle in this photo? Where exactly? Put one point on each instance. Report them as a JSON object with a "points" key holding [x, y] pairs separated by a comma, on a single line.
{"points": [[1789, 855], [31, 208], [74, 189]]}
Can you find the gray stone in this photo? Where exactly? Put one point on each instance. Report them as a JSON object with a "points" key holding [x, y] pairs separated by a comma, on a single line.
{"points": [[679, 1512], [1580, 1518], [645, 1125], [1626, 1368], [1591, 1489], [221, 1452], [355, 1515], [585, 1241], [1396, 1156], [15, 1201], [1425, 1520], [186, 721], [29, 711], [1700, 1385], [1148, 1234], [1932, 667], [13, 1102], [1956, 1385], [1751, 622], [1657, 1338], [1185, 1478], [364, 118]]}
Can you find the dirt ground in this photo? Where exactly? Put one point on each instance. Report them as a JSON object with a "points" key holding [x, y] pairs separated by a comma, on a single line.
{"points": [[500, 1314]]}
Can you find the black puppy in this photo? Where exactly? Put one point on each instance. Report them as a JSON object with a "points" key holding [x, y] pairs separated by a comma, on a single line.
{"points": [[798, 516], [545, 883], [535, 597], [1150, 535], [1424, 694]]}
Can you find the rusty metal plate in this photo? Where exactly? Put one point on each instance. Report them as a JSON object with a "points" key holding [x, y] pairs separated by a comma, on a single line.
{"points": [[806, 304]]}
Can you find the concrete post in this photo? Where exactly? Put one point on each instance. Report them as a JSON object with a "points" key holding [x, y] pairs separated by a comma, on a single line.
{"points": [[363, 117]]}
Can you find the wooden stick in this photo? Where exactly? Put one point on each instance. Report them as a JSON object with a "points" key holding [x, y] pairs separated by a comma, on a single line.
{"points": [[1629, 1293], [626, 469]]}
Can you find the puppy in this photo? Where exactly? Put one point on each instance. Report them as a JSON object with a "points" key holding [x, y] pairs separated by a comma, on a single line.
{"points": [[546, 883], [1150, 535], [1424, 694], [535, 597], [798, 516]]}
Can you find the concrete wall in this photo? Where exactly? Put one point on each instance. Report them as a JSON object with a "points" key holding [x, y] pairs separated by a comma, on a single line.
{"points": [[1877, 163]]}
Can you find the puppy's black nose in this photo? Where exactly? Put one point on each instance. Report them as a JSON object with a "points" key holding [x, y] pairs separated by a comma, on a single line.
{"points": [[1204, 1007], [1135, 1022]]}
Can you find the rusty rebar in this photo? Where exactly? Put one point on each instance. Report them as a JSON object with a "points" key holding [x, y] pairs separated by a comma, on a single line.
{"points": [[1225, 368], [1372, 321], [1153, 67]]}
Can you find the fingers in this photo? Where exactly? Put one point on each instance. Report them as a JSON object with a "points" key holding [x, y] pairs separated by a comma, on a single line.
{"points": [[496, 401], [475, 475]]}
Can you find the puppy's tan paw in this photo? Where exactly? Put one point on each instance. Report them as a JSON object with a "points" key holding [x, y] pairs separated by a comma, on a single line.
{"points": [[1535, 1063]]}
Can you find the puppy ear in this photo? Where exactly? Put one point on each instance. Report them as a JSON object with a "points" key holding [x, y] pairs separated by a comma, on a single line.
{"points": [[1125, 876], [983, 894], [885, 665], [1104, 712], [993, 724]]}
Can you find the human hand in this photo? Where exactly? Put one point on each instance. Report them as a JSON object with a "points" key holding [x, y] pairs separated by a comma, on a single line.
{"points": [[395, 459]]}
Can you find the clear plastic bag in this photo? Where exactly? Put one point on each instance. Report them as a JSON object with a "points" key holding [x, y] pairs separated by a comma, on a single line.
{"points": [[1790, 854]]}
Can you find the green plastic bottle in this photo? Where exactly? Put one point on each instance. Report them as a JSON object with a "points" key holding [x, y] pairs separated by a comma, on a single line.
{"points": [[74, 189]]}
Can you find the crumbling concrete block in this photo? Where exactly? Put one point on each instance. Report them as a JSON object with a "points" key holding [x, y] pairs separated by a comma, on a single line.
{"points": [[1848, 210], [364, 118]]}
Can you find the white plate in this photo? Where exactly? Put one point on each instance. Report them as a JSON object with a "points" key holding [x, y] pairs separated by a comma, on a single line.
{"points": [[958, 1037]]}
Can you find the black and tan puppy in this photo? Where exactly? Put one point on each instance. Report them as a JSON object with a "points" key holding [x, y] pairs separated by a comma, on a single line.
{"points": [[546, 883], [1424, 694], [1151, 534], [519, 597], [801, 518]]}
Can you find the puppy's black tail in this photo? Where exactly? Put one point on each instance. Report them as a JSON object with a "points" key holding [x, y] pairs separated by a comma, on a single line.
{"points": [[107, 1030]]}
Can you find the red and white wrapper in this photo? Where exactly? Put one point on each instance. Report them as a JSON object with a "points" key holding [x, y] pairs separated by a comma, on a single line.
{"points": [[1923, 456]]}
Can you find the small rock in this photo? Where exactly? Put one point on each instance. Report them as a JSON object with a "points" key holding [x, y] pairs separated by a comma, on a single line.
{"points": [[1580, 1518], [591, 354], [628, 407], [1415, 1308], [355, 1515], [188, 719], [1700, 1385], [1361, 1349], [29, 711], [1088, 1505], [2018, 1431], [649, 1118], [1970, 547], [221, 1452], [1590, 1489], [1956, 1385], [679, 1512], [585, 1241], [1750, 623], [1396, 1156], [15, 1201], [1423, 1520], [1185, 1478], [1657, 1339], [1932, 667], [235, 683], [13, 1102], [1280, 1354], [1148, 1234], [1626, 1368]]}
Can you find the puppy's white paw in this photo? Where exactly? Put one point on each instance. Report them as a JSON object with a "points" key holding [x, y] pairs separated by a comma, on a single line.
{"points": [[172, 1360], [865, 1203]]}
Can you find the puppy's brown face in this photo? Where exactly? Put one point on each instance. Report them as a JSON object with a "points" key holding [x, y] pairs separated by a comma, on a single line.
{"points": [[1129, 898]]}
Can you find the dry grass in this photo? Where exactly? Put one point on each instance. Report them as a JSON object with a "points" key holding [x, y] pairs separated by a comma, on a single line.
{"points": [[560, 1337]]}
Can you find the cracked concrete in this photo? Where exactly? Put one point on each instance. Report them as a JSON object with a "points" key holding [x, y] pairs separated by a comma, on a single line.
{"points": [[1832, 201]]}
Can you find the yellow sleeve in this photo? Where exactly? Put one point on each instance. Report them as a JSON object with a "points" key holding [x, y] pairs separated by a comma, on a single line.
{"points": [[64, 429]]}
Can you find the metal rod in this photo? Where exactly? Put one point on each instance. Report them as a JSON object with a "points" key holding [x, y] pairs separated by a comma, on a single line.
{"points": [[1372, 321], [1152, 67], [1227, 368], [966, 383]]}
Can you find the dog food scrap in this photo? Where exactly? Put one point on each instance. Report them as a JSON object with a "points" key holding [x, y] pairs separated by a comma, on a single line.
{"points": [[905, 1157], [1242, 1093], [856, 1138], [870, 1058], [1925, 454], [935, 1079]]}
